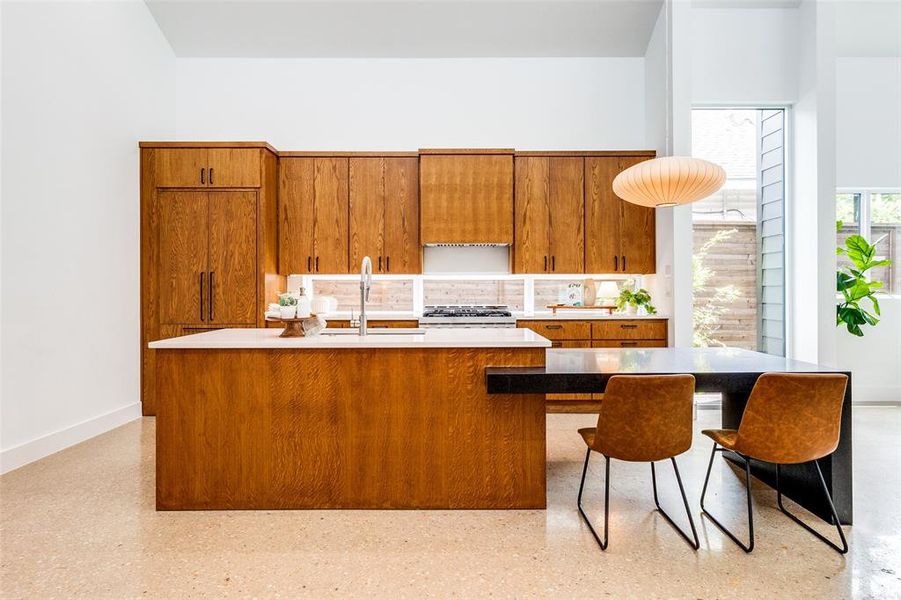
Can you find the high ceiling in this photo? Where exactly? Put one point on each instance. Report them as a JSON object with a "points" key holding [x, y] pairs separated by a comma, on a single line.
{"points": [[406, 28]]}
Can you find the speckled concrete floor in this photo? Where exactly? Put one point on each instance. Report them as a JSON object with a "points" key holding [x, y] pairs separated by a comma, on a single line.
{"points": [[81, 524]]}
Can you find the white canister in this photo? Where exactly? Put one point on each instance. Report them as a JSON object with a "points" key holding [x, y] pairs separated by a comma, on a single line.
{"points": [[287, 312], [304, 305]]}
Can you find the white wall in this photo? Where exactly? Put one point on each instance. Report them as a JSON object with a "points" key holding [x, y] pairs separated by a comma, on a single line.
{"points": [[875, 359], [868, 121], [405, 104], [82, 82], [744, 55]]}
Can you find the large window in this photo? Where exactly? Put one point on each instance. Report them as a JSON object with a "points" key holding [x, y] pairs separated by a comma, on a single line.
{"points": [[876, 215], [738, 261]]}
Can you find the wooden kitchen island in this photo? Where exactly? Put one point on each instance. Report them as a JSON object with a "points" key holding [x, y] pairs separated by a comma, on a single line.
{"points": [[248, 420]]}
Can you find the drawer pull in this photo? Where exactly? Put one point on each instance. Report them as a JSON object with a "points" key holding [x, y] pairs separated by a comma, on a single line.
{"points": [[553, 326], [629, 326], [628, 343], [556, 344]]}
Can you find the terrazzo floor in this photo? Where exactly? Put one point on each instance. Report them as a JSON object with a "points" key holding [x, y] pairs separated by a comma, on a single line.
{"points": [[82, 524]]}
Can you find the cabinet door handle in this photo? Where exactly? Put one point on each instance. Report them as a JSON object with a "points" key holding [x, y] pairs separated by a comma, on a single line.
{"points": [[628, 326], [201, 296], [317, 264], [380, 263], [624, 262], [545, 263], [553, 263], [628, 343], [211, 295], [211, 175], [616, 263], [553, 326], [388, 263], [203, 176], [309, 264]]}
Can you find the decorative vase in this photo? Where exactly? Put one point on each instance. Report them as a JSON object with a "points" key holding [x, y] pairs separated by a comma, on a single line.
{"points": [[630, 309], [589, 292]]}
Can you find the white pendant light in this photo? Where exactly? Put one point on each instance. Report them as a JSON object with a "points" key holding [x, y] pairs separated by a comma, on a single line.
{"points": [[669, 181]]}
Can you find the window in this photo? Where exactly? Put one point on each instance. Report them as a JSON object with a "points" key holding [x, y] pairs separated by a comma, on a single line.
{"points": [[876, 215]]}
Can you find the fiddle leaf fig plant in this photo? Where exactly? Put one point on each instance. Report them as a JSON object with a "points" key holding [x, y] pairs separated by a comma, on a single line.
{"points": [[854, 285]]}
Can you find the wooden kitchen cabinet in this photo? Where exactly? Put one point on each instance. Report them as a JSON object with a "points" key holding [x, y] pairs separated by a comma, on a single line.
{"points": [[549, 222], [466, 197], [596, 333], [384, 213], [209, 250], [620, 237], [313, 215], [207, 257], [207, 167]]}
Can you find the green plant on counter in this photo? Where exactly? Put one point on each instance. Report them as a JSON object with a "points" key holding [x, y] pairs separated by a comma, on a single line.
{"points": [[636, 298], [287, 299], [854, 286]]}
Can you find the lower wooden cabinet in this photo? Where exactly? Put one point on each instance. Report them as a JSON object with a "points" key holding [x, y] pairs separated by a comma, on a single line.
{"points": [[600, 333]]}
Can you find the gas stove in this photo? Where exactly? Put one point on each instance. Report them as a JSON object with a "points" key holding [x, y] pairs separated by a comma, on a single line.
{"points": [[467, 316]]}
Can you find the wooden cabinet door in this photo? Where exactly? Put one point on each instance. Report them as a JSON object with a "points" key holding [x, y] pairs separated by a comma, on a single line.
{"points": [[233, 167], [180, 167], [233, 257], [367, 211], [182, 256], [295, 214], [403, 253], [531, 209], [638, 237], [313, 219], [330, 230], [466, 198], [603, 216], [566, 215]]}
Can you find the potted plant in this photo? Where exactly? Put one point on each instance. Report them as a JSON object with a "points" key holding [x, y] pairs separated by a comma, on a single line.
{"points": [[854, 286], [630, 299]]}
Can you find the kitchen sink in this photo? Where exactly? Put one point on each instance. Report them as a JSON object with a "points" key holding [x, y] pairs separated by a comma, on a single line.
{"points": [[375, 331]]}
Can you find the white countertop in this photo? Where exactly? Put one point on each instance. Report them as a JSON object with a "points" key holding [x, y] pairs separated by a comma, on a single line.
{"points": [[583, 315], [432, 338]]}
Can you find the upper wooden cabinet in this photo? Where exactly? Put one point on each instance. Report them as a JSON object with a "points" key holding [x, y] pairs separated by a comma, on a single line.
{"points": [[313, 215], [207, 167], [466, 198], [620, 237], [384, 214], [549, 215]]}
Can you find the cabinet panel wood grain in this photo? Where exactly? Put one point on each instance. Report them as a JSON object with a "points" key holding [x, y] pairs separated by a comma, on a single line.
{"points": [[403, 253], [603, 221], [330, 215], [639, 232], [313, 215], [559, 329], [637, 329], [566, 215], [233, 257], [233, 167], [180, 167], [466, 198], [367, 211], [531, 250], [182, 256]]}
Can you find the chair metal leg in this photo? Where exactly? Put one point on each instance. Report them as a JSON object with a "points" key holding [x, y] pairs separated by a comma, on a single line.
{"points": [[602, 544], [695, 543], [750, 546], [838, 525]]}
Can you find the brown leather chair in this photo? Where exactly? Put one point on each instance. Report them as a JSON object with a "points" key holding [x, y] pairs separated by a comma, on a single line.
{"points": [[790, 418], [643, 418]]}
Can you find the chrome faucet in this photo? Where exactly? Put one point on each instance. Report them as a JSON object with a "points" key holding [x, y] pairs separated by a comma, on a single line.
{"points": [[365, 284]]}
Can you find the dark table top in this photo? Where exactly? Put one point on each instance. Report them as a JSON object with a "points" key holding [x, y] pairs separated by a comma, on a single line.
{"points": [[585, 370]]}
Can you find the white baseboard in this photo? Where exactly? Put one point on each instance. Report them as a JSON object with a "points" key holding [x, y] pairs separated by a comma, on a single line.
{"points": [[21, 455], [875, 394]]}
